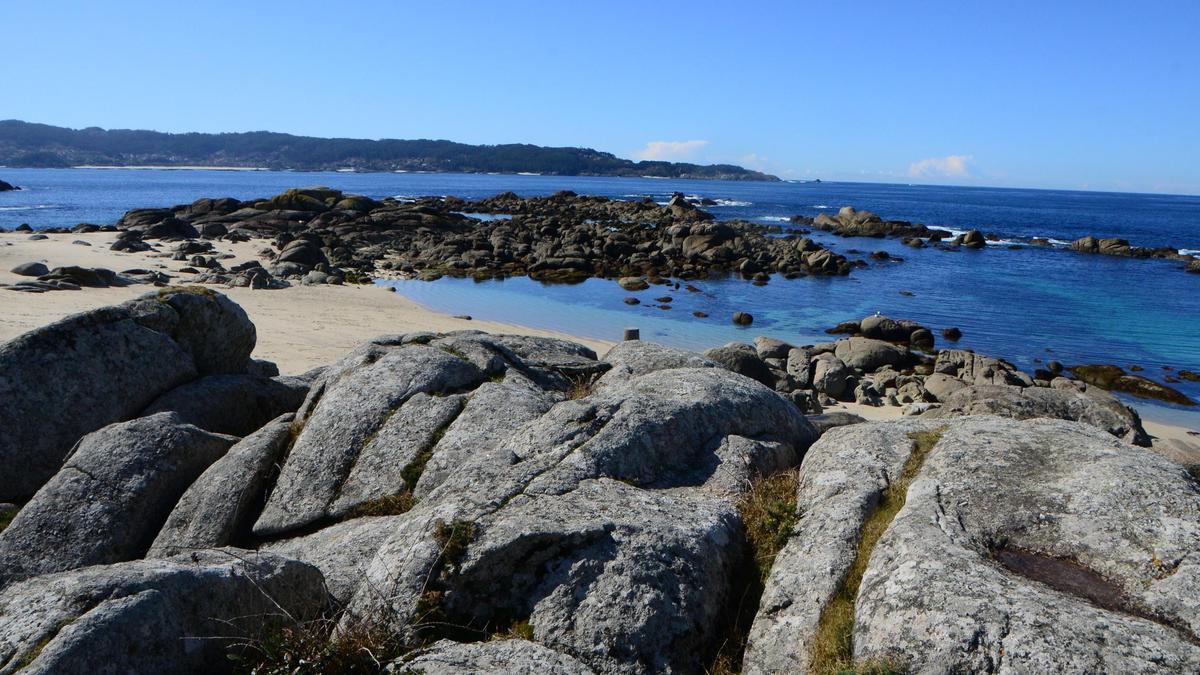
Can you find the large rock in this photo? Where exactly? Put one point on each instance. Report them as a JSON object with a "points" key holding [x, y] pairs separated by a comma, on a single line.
{"points": [[975, 368], [74, 376], [1021, 546], [1094, 406], [153, 616], [1114, 378], [232, 404], [374, 422], [941, 386], [830, 375], [593, 569], [514, 657], [742, 359], [571, 521], [632, 358], [866, 355], [354, 401], [109, 500], [215, 508], [31, 269]]}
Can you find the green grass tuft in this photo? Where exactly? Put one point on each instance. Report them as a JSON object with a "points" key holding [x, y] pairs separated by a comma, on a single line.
{"points": [[768, 511], [833, 646]]}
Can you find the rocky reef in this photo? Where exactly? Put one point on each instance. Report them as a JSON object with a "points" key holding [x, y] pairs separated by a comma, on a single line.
{"points": [[324, 236], [467, 502], [7, 187]]}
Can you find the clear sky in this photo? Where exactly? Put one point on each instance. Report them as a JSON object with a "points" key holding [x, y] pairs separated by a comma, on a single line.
{"points": [[1091, 95]]}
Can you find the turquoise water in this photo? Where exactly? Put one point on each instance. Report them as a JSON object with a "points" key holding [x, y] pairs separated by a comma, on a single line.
{"points": [[1025, 305]]}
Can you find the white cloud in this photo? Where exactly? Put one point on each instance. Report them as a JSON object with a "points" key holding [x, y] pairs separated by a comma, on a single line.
{"points": [[950, 166], [671, 150]]}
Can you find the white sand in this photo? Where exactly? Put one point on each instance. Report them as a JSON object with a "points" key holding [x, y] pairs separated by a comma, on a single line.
{"points": [[303, 327], [299, 327]]}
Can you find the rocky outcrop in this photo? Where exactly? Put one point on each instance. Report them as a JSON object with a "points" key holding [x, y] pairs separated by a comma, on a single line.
{"points": [[7, 187], [89, 370], [466, 502], [975, 368], [109, 500], [1114, 378], [182, 615], [216, 508], [853, 223], [323, 236], [1121, 247], [579, 484], [984, 566], [1093, 406]]}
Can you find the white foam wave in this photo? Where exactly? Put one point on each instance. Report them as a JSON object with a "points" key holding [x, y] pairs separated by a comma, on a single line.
{"points": [[775, 219], [731, 202], [821, 206], [30, 207], [1189, 251]]}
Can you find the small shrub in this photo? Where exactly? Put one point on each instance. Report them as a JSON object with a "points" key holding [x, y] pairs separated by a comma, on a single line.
{"points": [[768, 511], [581, 386]]}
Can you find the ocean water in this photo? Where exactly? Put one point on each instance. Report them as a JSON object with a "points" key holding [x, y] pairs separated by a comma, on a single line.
{"points": [[1028, 305]]}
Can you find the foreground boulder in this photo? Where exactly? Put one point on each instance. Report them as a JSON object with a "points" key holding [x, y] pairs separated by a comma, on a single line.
{"points": [[1010, 549], [153, 616], [74, 376], [605, 523], [109, 500], [1093, 406]]}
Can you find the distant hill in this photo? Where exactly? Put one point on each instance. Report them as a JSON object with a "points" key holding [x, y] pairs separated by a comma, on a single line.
{"points": [[23, 144]]}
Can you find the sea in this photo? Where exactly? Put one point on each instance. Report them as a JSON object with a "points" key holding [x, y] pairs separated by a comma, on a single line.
{"points": [[1028, 304]]}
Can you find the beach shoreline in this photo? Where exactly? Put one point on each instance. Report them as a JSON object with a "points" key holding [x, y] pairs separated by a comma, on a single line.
{"points": [[299, 327], [303, 327]]}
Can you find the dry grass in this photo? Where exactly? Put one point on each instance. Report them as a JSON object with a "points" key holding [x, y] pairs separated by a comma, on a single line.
{"points": [[391, 505], [768, 511], [582, 386], [519, 630], [833, 646], [314, 647]]}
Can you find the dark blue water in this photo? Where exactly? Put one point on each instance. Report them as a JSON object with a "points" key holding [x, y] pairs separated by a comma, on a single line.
{"points": [[1027, 305]]}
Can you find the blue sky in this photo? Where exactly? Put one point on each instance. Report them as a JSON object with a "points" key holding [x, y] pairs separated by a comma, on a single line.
{"points": [[1091, 95]]}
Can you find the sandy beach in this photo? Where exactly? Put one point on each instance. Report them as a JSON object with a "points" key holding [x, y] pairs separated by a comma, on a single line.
{"points": [[299, 328]]}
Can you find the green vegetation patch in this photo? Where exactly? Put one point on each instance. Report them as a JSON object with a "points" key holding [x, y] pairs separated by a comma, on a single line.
{"points": [[769, 513], [833, 647]]}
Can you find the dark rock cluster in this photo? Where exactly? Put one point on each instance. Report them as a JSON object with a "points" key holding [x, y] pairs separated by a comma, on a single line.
{"points": [[564, 237]]}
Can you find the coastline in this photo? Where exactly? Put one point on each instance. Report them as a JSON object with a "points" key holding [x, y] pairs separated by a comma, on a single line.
{"points": [[302, 327], [299, 328]]}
